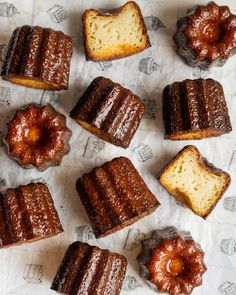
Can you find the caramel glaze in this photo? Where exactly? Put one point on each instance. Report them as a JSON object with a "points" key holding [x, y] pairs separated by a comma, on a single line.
{"points": [[110, 111], [174, 265], [90, 270], [27, 213], [115, 196], [195, 109], [206, 36], [38, 57], [37, 136]]}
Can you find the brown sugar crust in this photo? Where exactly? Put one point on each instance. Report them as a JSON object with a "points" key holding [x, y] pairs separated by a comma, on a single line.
{"points": [[126, 50], [38, 58], [90, 270], [27, 214], [37, 136], [115, 196], [173, 264], [206, 36], [109, 111], [195, 109], [203, 162]]}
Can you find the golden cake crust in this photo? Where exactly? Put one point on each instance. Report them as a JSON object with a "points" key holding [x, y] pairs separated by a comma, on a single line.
{"points": [[206, 36], [38, 58], [37, 136]]}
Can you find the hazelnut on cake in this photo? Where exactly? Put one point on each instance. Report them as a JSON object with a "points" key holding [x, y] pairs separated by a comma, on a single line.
{"points": [[192, 180], [111, 36]]}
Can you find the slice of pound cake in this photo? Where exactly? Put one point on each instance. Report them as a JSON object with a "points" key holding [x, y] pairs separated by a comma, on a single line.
{"points": [[111, 36], [192, 180]]}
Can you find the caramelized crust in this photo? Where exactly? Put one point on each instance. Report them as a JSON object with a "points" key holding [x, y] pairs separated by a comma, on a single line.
{"points": [[90, 270], [172, 262], [109, 111], [195, 109], [27, 214], [38, 58], [115, 196], [37, 136], [206, 36]]}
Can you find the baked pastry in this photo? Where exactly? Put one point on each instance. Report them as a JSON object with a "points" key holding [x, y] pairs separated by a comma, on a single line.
{"points": [[37, 136], [38, 58], [27, 214], [192, 180], [172, 262], [111, 36], [206, 36], [90, 270], [195, 109], [109, 111], [115, 196]]}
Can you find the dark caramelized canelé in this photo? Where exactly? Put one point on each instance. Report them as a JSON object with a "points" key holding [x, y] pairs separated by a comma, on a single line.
{"points": [[206, 36], [109, 111], [90, 270], [38, 58], [37, 136], [195, 109], [115, 196], [172, 262], [27, 214]]}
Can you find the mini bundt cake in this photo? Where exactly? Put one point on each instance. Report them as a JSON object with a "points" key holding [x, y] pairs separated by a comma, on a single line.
{"points": [[115, 196], [195, 109], [37, 136], [172, 262], [206, 36], [90, 270], [27, 214], [195, 182], [115, 35], [109, 111], [38, 58]]}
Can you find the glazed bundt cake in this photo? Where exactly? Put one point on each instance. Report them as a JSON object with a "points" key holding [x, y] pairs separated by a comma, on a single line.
{"points": [[195, 109], [38, 58], [109, 111], [90, 270], [192, 180], [37, 136], [206, 36], [27, 214], [172, 262], [110, 36], [115, 196]]}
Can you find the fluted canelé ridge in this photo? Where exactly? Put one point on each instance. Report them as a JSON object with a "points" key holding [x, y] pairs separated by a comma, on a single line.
{"points": [[38, 58], [27, 214], [195, 109], [110, 111], [115, 196], [90, 270]]}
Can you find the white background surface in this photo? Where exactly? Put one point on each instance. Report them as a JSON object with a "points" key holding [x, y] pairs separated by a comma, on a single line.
{"points": [[16, 276]]}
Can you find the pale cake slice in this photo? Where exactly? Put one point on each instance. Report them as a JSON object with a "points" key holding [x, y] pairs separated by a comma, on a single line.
{"points": [[193, 181], [111, 36]]}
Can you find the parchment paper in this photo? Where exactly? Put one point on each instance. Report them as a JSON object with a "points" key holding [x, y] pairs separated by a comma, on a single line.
{"points": [[29, 269]]}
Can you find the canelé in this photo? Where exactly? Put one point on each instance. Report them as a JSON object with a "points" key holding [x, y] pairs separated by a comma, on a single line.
{"points": [[109, 111], [37, 136], [27, 214], [38, 58], [115, 196], [195, 109], [206, 36], [90, 270], [172, 262]]}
